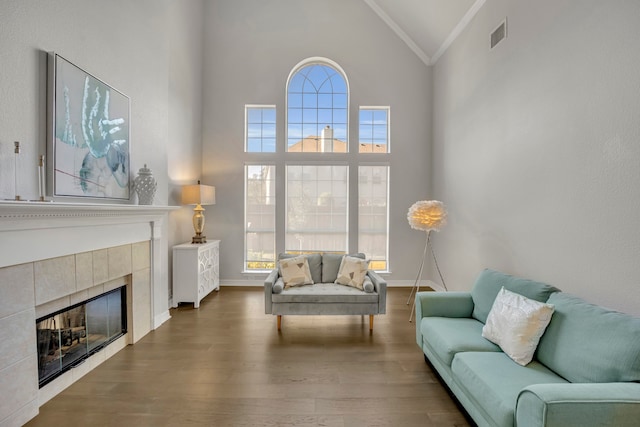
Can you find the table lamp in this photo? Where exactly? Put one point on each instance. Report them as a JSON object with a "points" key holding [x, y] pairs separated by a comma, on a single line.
{"points": [[198, 195]]}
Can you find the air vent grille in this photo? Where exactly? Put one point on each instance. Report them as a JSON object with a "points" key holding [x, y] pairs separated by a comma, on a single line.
{"points": [[499, 33]]}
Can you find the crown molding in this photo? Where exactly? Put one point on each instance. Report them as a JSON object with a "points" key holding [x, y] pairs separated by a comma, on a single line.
{"points": [[457, 30], [396, 28]]}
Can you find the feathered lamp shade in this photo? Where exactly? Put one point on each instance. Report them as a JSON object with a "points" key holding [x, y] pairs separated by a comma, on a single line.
{"points": [[426, 215]]}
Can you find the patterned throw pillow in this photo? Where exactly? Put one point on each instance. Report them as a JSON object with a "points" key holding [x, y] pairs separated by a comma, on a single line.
{"points": [[352, 272], [295, 271]]}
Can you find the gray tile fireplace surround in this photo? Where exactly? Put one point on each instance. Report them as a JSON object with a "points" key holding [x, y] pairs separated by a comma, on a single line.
{"points": [[55, 255]]}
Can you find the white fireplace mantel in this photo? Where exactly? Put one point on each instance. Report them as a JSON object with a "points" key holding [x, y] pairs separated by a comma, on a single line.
{"points": [[16, 215], [57, 229]]}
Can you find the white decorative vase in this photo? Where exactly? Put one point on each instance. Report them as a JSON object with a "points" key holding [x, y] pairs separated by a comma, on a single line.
{"points": [[145, 186]]}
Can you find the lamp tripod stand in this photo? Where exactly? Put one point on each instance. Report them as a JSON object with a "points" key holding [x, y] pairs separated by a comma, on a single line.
{"points": [[416, 285]]}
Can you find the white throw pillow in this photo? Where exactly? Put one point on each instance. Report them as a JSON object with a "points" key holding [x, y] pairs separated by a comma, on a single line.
{"points": [[352, 272], [295, 271], [516, 323]]}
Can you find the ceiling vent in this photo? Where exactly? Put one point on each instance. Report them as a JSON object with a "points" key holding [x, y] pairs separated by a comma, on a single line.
{"points": [[499, 33]]}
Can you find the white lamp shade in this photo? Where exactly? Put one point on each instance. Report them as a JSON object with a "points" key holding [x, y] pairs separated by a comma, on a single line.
{"points": [[198, 194]]}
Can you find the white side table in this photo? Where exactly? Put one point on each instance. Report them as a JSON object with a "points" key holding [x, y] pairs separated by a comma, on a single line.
{"points": [[195, 271]]}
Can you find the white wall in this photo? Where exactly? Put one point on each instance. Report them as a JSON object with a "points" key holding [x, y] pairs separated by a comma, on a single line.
{"points": [[124, 44], [537, 148], [148, 49], [184, 149], [251, 46]]}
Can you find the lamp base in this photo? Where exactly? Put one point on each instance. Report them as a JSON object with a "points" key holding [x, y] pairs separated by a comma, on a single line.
{"points": [[199, 239], [198, 225]]}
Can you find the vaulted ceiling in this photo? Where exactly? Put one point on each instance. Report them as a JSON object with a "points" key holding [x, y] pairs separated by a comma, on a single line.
{"points": [[428, 27]]}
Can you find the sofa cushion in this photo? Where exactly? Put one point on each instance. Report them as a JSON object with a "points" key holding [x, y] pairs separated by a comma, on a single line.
{"points": [[367, 285], [352, 272], [516, 324], [315, 264], [489, 283], [448, 336], [295, 271], [278, 286], [493, 381], [325, 293], [589, 343], [331, 265]]}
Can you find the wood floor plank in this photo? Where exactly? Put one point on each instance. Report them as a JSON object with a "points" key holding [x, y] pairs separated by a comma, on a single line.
{"points": [[226, 364]]}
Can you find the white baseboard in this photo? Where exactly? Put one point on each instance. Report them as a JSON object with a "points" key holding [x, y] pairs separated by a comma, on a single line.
{"points": [[160, 319], [243, 283]]}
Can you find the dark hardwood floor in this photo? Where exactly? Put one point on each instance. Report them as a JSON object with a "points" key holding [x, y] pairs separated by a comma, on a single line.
{"points": [[225, 364]]}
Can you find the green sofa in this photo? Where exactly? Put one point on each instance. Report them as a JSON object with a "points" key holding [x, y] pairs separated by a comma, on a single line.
{"points": [[585, 371]]}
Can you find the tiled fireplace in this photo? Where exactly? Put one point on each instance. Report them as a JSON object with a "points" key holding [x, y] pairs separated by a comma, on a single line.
{"points": [[55, 255]]}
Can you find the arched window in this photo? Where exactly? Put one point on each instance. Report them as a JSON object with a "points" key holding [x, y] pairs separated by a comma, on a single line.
{"points": [[317, 108]]}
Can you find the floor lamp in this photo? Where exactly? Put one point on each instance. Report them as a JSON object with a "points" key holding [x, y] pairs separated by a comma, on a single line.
{"points": [[428, 216]]}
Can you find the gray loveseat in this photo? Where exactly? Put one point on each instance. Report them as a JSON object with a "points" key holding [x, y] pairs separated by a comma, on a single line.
{"points": [[324, 297], [585, 371]]}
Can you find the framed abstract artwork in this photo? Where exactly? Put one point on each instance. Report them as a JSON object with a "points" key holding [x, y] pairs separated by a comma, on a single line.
{"points": [[88, 133]]}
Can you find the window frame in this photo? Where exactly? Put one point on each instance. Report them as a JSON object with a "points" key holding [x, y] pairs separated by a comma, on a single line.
{"points": [[387, 166], [246, 167]]}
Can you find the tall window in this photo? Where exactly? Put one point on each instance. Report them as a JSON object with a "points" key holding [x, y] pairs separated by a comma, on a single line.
{"points": [[373, 215], [316, 168], [317, 214], [260, 216]]}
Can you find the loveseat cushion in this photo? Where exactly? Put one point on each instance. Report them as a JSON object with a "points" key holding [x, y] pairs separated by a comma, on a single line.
{"points": [[352, 272], [367, 285], [493, 381], [278, 286], [331, 265], [589, 343], [315, 264], [448, 336], [325, 293], [489, 283], [295, 271]]}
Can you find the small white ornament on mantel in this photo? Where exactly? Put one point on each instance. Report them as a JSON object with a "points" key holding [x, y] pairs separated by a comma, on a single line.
{"points": [[145, 186]]}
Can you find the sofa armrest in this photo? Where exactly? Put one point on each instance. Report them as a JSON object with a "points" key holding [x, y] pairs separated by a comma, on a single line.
{"points": [[268, 289], [584, 404], [380, 285], [441, 304]]}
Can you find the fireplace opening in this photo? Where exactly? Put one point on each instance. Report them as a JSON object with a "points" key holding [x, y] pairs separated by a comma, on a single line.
{"points": [[69, 336]]}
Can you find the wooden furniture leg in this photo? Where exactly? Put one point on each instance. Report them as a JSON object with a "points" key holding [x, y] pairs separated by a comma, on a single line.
{"points": [[279, 321], [371, 322]]}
